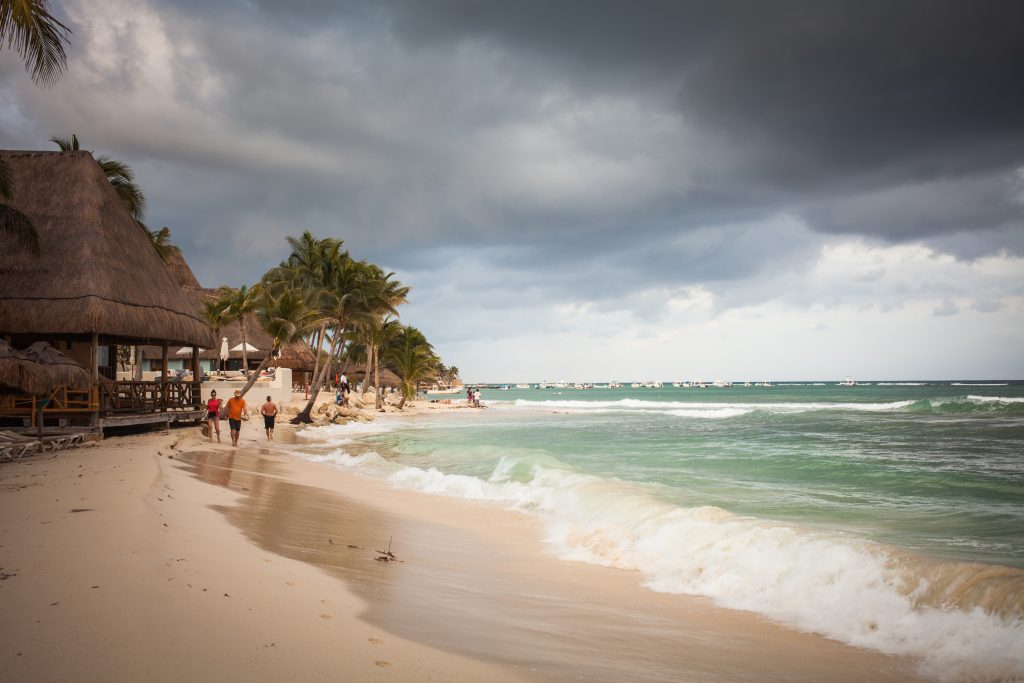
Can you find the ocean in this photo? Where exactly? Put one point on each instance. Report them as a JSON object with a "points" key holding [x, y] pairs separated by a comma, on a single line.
{"points": [[888, 515]]}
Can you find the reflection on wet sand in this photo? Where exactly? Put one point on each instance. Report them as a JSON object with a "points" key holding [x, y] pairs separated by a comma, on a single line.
{"points": [[467, 593]]}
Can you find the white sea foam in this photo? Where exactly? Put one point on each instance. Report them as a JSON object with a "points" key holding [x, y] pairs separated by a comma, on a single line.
{"points": [[978, 384], [712, 414], [846, 589], [637, 405], [996, 399]]}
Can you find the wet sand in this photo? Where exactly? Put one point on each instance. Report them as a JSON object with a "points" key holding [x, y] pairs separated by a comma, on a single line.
{"points": [[474, 579], [171, 559]]}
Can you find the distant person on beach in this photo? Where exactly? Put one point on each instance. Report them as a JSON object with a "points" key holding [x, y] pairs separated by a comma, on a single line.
{"points": [[269, 412], [213, 415], [236, 413], [469, 395], [337, 396], [345, 389]]}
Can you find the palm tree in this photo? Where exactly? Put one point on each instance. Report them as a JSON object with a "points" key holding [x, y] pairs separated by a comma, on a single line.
{"points": [[285, 317], [216, 316], [161, 240], [120, 175], [414, 360], [379, 334], [237, 304], [28, 27], [384, 297], [340, 296], [14, 225]]}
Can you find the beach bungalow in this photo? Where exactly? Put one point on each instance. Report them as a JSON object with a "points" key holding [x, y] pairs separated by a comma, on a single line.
{"points": [[97, 286]]}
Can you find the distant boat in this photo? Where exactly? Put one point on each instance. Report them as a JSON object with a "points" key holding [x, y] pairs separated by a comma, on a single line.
{"points": [[614, 385], [522, 386], [449, 390], [848, 382]]}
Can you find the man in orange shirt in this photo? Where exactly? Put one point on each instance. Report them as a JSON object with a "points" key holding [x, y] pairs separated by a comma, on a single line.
{"points": [[236, 413]]}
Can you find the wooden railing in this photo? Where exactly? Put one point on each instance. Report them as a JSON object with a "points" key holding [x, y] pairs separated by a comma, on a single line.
{"points": [[108, 398], [148, 396]]}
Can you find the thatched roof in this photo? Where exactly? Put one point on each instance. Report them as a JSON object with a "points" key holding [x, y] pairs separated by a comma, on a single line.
{"points": [[179, 269], [19, 372], [254, 333], [98, 271], [58, 368]]}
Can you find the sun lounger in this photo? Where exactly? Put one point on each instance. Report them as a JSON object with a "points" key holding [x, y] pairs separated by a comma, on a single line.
{"points": [[49, 442], [15, 445]]}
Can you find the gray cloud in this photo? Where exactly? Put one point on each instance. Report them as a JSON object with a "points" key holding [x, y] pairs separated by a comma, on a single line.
{"points": [[608, 154]]}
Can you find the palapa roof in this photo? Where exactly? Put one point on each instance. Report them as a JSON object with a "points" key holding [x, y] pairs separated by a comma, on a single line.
{"points": [[98, 271]]}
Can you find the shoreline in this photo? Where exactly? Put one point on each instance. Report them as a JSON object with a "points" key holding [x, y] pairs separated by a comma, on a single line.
{"points": [[474, 594]]}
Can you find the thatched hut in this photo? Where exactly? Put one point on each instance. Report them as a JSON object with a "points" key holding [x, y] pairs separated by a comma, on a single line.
{"points": [[97, 285]]}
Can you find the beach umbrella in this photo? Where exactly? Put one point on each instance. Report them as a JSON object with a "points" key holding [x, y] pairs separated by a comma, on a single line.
{"points": [[58, 370], [223, 351], [186, 351], [247, 346]]}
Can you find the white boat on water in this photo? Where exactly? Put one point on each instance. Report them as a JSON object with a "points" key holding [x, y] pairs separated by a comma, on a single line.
{"points": [[848, 382], [448, 390], [522, 386]]}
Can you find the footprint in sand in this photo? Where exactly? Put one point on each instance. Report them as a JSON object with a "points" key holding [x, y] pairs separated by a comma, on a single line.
{"points": [[375, 641], [326, 616], [381, 663], [289, 583]]}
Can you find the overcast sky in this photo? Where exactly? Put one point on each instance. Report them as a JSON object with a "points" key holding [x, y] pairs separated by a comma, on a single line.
{"points": [[589, 190]]}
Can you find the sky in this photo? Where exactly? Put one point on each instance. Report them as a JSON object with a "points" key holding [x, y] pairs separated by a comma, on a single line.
{"points": [[586, 190]]}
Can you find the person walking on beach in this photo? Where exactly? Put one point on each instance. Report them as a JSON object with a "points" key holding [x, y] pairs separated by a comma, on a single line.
{"points": [[269, 412], [344, 384], [213, 415], [236, 413]]}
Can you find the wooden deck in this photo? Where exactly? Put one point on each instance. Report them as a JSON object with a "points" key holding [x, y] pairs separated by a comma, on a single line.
{"points": [[112, 404]]}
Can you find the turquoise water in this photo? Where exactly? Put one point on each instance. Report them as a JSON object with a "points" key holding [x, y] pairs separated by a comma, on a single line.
{"points": [[888, 515]]}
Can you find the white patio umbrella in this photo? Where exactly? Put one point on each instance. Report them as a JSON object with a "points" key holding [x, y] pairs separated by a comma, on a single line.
{"points": [[186, 351], [247, 345], [223, 351]]}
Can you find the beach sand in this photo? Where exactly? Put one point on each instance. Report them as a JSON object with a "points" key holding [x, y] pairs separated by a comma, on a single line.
{"points": [[163, 557]]}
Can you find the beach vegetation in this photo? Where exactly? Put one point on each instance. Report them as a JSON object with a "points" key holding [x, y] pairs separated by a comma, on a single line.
{"points": [[236, 304], [413, 358], [349, 313]]}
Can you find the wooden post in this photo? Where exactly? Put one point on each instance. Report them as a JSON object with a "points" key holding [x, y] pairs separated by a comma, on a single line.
{"points": [[94, 378], [197, 398], [163, 376]]}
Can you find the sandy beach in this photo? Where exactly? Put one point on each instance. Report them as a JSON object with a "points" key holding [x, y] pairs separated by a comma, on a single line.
{"points": [[163, 557]]}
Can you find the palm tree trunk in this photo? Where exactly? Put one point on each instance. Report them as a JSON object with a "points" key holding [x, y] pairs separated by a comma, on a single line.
{"points": [[369, 365], [379, 400], [245, 353], [317, 341], [255, 375], [304, 416]]}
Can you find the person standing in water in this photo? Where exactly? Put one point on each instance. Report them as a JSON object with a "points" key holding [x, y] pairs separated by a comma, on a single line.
{"points": [[269, 412], [213, 415]]}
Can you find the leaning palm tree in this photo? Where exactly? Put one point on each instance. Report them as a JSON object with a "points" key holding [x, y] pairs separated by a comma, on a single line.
{"points": [[379, 334], [120, 175], [28, 27], [413, 359], [14, 225]]}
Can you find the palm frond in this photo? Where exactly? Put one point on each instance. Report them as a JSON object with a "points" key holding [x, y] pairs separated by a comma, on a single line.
{"points": [[14, 225], [36, 35]]}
